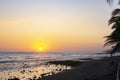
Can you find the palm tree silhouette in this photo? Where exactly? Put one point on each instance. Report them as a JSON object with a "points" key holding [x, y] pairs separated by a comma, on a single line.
{"points": [[114, 37]]}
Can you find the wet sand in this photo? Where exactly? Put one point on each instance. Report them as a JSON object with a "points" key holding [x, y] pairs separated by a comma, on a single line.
{"points": [[103, 69]]}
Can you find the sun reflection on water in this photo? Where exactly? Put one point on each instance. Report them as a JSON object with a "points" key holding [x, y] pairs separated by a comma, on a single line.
{"points": [[33, 72]]}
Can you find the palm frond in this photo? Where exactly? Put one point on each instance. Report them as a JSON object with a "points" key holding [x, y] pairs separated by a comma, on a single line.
{"points": [[113, 38], [115, 26], [114, 19], [119, 2], [116, 12], [110, 43], [109, 2]]}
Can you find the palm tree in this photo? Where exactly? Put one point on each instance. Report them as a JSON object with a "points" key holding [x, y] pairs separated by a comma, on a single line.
{"points": [[114, 37]]}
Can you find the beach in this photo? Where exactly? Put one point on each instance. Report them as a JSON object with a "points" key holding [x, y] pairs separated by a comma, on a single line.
{"points": [[103, 69], [42, 67]]}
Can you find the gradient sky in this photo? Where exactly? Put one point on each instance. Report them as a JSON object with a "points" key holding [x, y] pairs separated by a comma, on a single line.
{"points": [[54, 25]]}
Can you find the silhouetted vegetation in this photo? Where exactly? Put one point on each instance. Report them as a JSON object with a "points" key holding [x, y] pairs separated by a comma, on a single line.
{"points": [[114, 38]]}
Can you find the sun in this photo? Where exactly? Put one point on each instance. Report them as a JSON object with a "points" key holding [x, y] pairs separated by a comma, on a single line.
{"points": [[41, 49]]}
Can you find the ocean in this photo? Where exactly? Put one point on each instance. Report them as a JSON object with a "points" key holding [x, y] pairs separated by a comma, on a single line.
{"points": [[13, 64], [38, 58]]}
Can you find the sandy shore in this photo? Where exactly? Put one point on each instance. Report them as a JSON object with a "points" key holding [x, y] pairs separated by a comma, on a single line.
{"points": [[103, 69]]}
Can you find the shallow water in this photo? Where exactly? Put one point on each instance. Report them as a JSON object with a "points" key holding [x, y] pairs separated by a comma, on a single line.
{"points": [[33, 72]]}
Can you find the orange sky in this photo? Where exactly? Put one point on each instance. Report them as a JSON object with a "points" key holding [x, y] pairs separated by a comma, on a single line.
{"points": [[54, 25]]}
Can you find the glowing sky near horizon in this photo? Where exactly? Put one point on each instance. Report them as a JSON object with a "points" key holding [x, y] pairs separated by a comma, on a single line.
{"points": [[54, 25]]}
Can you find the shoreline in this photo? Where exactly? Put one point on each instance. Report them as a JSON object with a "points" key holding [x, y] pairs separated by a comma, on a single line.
{"points": [[101, 69], [81, 69]]}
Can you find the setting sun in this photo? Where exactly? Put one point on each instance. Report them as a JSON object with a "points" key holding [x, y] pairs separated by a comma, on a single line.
{"points": [[40, 48]]}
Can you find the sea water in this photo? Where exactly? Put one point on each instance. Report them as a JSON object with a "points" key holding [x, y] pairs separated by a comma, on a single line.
{"points": [[26, 65]]}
